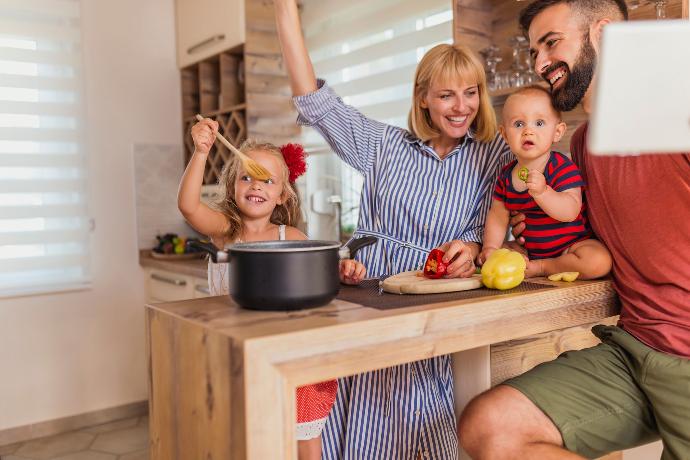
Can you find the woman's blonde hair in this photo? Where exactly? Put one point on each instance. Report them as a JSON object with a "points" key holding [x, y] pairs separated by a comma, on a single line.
{"points": [[287, 213], [450, 63]]}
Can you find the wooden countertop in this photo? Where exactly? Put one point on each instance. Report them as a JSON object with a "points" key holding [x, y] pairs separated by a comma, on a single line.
{"points": [[192, 267], [268, 354]]}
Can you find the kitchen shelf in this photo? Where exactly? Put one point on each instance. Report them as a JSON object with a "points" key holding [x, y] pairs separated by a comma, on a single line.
{"points": [[232, 125], [214, 88]]}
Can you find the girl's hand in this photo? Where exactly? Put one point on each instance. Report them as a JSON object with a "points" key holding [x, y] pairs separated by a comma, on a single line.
{"points": [[204, 135], [536, 183], [460, 259], [351, 271]]}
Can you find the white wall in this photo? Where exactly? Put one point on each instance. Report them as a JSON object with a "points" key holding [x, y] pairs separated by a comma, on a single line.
{"points": [[70, 353]]}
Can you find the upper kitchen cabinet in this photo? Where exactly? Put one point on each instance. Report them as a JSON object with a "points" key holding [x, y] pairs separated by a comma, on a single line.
{"points": [[207, 27]]}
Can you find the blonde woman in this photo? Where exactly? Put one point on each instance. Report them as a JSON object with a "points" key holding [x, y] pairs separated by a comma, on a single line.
{"points": [[422, 187]]}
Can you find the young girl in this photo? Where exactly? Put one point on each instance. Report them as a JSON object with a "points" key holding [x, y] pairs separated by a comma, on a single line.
{"points": [[253, 210]]}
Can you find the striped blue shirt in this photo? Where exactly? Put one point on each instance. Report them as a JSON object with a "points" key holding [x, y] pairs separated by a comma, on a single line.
{"points": [[413, 201]]}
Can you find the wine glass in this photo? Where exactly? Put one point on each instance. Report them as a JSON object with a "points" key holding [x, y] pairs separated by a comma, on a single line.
{"points": [[659, 5], [519, 76], [491, 60]]}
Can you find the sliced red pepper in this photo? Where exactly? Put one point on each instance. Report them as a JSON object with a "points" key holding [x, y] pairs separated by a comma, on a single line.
{"points": [[434, 267]]}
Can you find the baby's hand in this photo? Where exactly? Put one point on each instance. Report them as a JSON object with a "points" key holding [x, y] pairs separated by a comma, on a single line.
{"points": [[204, 135], [351, 271], [486, 252], [536, 182]]}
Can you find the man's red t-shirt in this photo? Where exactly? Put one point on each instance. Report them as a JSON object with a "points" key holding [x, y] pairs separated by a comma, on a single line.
{"points": [[639, 206]]}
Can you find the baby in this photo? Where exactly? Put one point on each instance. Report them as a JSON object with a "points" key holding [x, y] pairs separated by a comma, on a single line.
{"points": [[545, 186]]}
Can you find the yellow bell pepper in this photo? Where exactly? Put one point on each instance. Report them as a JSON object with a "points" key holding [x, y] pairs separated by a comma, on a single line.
{"points": [[504, 269]]}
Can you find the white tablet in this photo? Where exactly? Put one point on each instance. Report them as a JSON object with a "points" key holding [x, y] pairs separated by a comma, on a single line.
{"points": [[642, 99]]}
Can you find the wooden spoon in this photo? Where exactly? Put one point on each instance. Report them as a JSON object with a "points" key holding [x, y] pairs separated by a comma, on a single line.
{"points": [[253, 168]]}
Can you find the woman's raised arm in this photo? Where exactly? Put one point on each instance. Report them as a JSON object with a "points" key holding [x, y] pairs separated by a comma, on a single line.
{"points": [[297, 62]]}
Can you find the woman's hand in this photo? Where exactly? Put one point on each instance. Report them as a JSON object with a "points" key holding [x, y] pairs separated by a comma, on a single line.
{"points": [[204, 135], [351, 271], [460, 259]]}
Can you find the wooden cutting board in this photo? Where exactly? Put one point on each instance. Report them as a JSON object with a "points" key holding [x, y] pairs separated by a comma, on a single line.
{"points": [[411, 283]]}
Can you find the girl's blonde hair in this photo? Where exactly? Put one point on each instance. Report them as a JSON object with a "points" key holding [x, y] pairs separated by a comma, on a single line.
{"points": [[287, 213], [450, 63]]}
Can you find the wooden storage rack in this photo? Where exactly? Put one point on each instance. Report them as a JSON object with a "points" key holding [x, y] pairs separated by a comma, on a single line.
{"points": [[214, 88]]}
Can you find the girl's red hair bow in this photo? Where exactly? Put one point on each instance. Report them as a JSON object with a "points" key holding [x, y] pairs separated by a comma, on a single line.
{"points": [[294, 159]]}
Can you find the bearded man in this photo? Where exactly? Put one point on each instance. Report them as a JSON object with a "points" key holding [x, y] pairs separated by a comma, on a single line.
{"points": [[634, 387]]}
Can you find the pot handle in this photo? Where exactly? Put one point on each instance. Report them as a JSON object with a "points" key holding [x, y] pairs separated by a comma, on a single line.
{"points": [[355, 244], [210, 248]]}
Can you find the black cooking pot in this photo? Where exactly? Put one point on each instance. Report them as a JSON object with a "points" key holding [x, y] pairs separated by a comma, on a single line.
{"points": [[284, 275]]}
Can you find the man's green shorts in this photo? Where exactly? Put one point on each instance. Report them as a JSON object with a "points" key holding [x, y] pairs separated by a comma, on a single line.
{"points": [[614, 396]]}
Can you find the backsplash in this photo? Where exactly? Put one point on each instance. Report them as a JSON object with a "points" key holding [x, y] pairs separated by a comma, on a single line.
{"points": [[157, 172]]}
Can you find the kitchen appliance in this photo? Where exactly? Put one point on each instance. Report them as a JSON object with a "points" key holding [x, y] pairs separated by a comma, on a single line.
{"points": [[284, 275]]}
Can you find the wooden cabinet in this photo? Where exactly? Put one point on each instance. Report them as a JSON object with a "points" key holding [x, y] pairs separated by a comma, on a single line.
{"points": [[214, 88], [244, 87], [167, 286], [207, 27]]}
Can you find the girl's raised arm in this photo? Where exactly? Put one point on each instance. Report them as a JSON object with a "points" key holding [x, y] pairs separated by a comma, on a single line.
{"points": [[204, 219], [297, 62]]}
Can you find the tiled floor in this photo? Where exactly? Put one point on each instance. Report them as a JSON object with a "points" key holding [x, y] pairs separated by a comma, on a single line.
{"points": [[120, 440]]}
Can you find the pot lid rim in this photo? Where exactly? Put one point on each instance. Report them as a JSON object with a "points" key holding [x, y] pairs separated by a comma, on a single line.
{"points": [[317, 245]]}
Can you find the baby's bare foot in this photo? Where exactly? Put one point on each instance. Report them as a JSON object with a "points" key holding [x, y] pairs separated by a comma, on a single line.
{"points": [[534, 268]]}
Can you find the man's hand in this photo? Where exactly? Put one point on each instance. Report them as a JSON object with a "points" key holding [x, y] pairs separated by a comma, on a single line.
{"points": [[458, 255], [351, 271], [517, 226]]}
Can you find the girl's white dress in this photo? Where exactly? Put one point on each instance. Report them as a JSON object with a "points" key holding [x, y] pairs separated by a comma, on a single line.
{"points": [[218, 272]]}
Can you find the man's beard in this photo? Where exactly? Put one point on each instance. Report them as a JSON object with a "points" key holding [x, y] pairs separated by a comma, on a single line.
{"points": [[569, 95]]}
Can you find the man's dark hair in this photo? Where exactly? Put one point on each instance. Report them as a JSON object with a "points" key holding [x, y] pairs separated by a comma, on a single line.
{"points": [[589, 10]]}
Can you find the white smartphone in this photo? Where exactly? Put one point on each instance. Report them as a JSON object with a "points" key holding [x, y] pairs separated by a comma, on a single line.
{"points": [[642, 98]]}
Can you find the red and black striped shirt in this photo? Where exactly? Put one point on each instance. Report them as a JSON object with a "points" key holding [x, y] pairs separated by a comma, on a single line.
{"points": [[545, 236]]}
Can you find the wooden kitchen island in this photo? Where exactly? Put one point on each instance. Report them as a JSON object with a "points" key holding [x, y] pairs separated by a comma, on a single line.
{"points": [[222, 379]]}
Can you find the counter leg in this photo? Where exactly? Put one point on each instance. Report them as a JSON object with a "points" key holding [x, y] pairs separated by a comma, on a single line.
{"points": [[269, 407], [196, 406], [471, 376]]}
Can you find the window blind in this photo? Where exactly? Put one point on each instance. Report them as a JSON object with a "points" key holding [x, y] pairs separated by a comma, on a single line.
{"points": [[44, 226], [368, 52]]}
